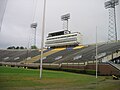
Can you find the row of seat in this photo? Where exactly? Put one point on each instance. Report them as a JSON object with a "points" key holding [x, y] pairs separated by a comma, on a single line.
{"points": [[60, 55], [16, 55]]}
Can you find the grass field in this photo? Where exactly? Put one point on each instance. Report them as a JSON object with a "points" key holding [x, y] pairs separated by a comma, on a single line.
{"points": [[13, 78]]}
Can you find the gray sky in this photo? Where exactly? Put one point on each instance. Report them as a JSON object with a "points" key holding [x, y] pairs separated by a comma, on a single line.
{"points": [[85, 16]]}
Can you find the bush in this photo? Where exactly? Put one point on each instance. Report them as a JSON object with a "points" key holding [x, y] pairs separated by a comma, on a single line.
{"points": [[73, 70], [33, 47], [91, 72]]}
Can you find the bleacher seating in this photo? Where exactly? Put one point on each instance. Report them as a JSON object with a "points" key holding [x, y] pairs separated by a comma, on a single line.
{"points": [[64, 53], [60, 55], [12, 54], [46, 54]]}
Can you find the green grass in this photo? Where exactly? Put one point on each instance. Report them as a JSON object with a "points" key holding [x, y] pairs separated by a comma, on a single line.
{"points": [[28, 79]]}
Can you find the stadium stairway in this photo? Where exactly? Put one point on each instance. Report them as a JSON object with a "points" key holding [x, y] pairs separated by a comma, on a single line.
{"points": [[36, 58], [117, 66], [78, 47]]}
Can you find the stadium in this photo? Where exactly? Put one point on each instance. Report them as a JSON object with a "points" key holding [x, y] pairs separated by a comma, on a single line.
{"points": [[63, 62], [69, 56], [65, 50]]}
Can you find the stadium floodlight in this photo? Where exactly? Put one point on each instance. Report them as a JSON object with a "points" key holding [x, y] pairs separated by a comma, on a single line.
{"points": [[65, 18], [111, 3], [34, 26], [112, 29], [42, 36]]}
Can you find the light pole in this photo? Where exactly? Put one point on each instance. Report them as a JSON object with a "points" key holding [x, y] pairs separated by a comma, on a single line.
{"points": [[34, 26], [96, 54], [112, 29], [42, 36], [64, 18], [4, 6]]}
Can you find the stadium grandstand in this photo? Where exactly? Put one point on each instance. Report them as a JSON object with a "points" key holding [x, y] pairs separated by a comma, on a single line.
{"points": [[65, 50], [69, 57], [17, 55]]}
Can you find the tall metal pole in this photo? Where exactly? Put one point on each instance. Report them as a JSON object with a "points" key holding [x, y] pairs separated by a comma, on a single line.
{"points": [[3, 14], [65, 18], [96, 55], [35, 38], [67, 24], [115, 24], [112, 30], [42, 41]]}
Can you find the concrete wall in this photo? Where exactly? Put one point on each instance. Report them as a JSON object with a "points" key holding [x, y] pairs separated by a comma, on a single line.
{"points": [[103, 69]]}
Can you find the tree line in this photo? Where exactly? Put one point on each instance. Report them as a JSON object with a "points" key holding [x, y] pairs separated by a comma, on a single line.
{"points": [[21, 47]]}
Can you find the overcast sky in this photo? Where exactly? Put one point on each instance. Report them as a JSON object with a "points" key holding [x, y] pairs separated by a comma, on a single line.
{"points": [[85, 15]]}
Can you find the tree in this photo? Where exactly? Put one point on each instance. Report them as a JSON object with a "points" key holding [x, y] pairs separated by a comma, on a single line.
{"points": [[17, 47], [11, 47], [21, 47], [33, 47]]}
